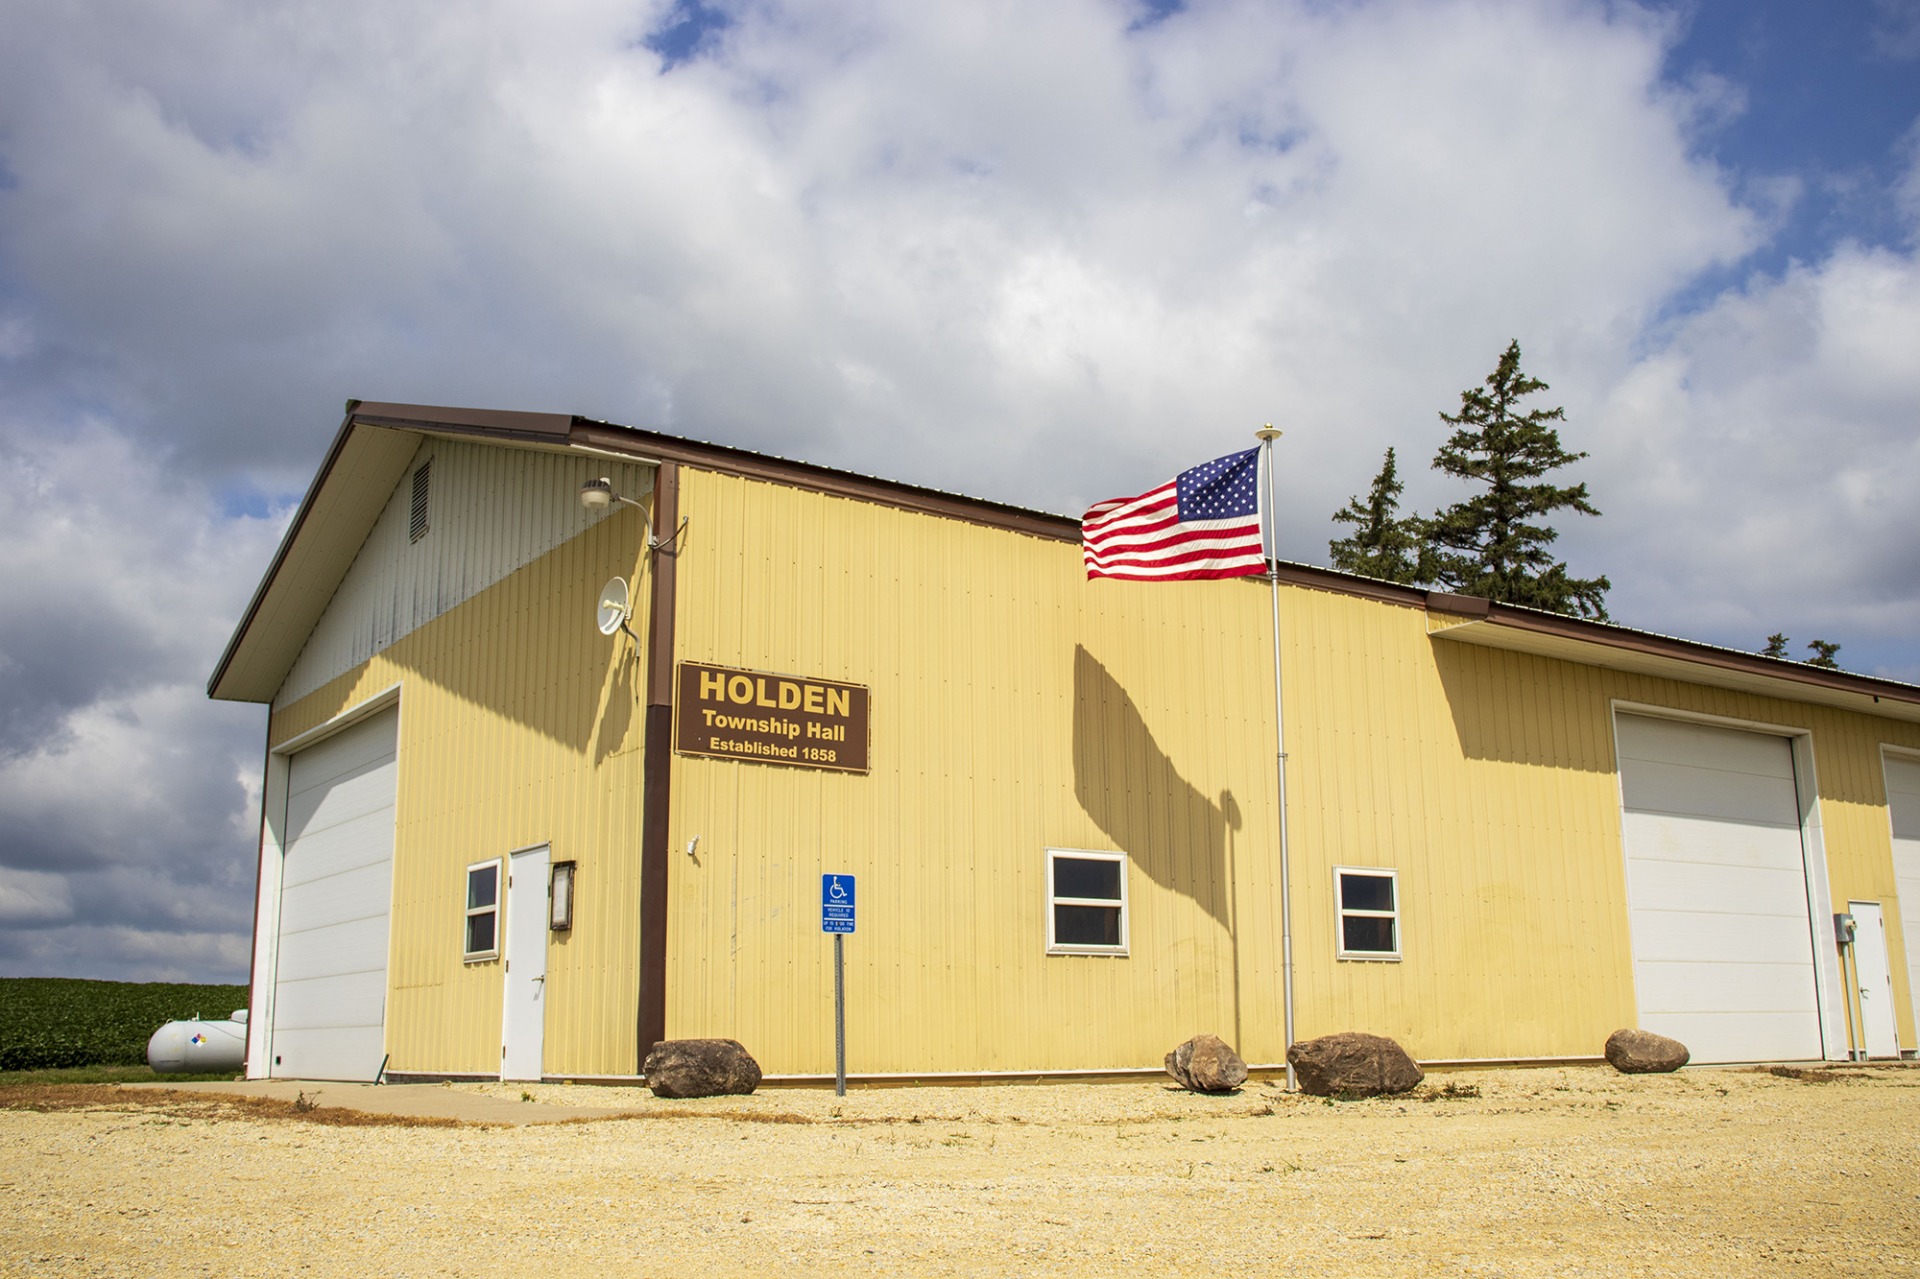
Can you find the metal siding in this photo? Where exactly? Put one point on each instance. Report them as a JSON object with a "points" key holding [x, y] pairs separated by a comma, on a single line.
{"points": [[1484, 777], [521, 726], [968, 638], [491, 511], [1903, 918]]}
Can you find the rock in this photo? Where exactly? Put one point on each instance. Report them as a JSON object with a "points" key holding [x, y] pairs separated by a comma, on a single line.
{"points": [[1352, 1064], [1206, 1063], [1641, 1052], [700, 1068]]}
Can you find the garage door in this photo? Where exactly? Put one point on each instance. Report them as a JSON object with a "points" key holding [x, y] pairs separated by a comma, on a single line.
{"points": [[1903, 797], [1717, 888], [330, 979]]}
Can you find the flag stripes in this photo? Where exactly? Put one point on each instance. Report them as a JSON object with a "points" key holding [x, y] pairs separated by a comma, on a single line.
{"points": [[1146, 538]]}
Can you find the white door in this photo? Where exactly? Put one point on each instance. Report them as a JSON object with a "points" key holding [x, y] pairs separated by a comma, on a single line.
{"points": [[1723, 956], [1903, 799], [336, 889], [1875, 980], [523, 1022]]}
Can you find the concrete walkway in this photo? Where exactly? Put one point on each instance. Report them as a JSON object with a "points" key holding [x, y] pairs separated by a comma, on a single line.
{"points": [[419, 1101]]}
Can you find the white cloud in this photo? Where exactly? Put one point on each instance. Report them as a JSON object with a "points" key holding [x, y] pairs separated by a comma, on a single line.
{"points": [[123, 791], [1013, 251], [33, 897], [1765, 464]]}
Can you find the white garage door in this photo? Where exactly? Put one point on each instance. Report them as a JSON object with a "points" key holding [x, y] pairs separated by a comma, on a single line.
{"points": [[330, 981], [1716, 884], [1903, 797]]}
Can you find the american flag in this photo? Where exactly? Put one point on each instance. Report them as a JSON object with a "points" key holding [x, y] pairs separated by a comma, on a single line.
{"points": [[1203, 523]]}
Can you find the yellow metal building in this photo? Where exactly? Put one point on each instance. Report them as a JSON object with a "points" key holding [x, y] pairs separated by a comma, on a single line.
{"points": [[486, 852]]}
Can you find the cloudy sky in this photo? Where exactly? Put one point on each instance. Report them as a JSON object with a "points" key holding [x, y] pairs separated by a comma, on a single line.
{"points": [[1044, 252]]}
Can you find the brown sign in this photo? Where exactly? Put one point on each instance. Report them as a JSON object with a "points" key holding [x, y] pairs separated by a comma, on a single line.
{"points": [[774, 719]]}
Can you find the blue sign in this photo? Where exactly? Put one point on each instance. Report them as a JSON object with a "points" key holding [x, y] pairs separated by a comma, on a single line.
{"points": [[836, 903]]}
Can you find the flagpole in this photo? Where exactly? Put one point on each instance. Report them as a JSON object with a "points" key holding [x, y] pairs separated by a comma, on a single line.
{"points": [[1267, 436]]}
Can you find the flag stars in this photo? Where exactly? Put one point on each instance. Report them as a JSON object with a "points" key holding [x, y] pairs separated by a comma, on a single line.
{"points": [[1222, 489]]}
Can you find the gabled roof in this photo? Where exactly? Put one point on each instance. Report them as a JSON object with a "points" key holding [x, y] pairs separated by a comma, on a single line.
{"points": [[377, 440]]}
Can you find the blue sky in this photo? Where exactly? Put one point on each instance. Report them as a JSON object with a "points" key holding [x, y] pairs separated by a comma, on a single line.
{"points": [[1044, 254]]}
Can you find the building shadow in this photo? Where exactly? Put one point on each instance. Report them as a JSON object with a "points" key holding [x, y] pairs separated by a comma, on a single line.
{"points": [[1134, 792]]}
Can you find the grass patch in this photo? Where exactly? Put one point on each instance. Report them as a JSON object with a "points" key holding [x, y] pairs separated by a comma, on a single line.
{"points": [[52, 1023], [105, 1075], [1812, 1074], [112, 1099]]}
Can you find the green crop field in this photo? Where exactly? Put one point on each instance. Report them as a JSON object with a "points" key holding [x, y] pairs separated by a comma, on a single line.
{"points": [[48, 1023]]}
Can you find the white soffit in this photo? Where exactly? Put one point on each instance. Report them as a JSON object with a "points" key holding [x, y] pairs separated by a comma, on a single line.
{"points": [[318, 555], [1492, 634], [492, 507]]}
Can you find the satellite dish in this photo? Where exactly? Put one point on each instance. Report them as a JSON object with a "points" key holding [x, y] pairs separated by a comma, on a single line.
{"points": [[615, 606]]}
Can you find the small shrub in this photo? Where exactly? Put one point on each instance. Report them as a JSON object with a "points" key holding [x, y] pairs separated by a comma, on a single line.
{"points": [[1451, 1091]]}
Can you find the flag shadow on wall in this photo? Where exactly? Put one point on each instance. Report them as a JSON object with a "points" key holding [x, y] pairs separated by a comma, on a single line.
{"points": [[1174, 834]]}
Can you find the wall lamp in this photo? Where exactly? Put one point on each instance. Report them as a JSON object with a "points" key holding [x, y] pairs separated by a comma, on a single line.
{"points": [[598, 495]]}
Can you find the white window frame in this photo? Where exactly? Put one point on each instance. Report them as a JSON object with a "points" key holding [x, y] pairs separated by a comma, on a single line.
{"points": [[1054, 945], [466, 895], [1341, 913]]}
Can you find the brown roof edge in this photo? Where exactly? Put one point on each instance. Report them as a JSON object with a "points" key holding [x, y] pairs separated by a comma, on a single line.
{"points": [[280, 554], [551, 427], [1460, 605], [411, 417], [1646, 642], [560, 428], [822, 479]]}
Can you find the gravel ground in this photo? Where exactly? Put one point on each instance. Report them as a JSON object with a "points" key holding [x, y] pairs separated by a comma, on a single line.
{"points": [[1568, 1172]]}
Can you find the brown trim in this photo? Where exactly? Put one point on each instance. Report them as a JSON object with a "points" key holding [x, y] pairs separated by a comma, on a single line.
{"points": [[1327, 579], [656, 777], [821, 479], [494, 422], [1726, 659], [651, 446], [259, 872], [286, 547], [1458, 605]]}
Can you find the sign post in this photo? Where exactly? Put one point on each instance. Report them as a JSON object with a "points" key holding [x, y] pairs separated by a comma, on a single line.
{"points": [[836, 917]]}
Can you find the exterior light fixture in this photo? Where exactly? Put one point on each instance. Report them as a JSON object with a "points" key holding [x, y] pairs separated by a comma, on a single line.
{"points": [[598, 495], [562, 897]]}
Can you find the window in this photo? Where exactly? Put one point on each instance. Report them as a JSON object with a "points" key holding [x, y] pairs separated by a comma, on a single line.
{"points": [[1086, 903], [422, 481], [1368, 904], [483, 910], [560, 897]]}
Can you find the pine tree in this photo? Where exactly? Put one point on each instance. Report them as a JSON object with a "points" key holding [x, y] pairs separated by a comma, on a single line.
{"points": [[1383, 544], [1823, 654], [1776, 645], [1493, 544]]}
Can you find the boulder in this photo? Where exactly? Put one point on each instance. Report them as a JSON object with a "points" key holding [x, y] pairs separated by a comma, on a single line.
{"points": [[1352, 1064], [1206, 1063], [1641, 1052], [700, 1068]]}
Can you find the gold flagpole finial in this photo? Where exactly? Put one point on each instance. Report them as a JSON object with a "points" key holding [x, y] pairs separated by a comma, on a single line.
{"points": [[1267, 432]]}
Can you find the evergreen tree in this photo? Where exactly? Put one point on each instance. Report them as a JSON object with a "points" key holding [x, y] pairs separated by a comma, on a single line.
{"points": [[1493, 543], [1382, 544], [1776, 645], [1823, 654]]}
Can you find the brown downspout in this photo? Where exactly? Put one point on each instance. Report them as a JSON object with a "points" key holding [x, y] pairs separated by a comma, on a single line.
{"points": [[656, 784]]}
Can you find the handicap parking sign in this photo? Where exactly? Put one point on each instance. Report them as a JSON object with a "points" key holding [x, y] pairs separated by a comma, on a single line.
{"points": [[836, 903]]}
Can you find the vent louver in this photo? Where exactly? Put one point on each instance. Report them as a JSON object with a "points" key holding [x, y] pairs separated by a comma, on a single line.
{"points": [[422, 479]]}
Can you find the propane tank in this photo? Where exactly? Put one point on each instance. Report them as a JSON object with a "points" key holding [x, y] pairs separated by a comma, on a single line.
{"points": [[199, 1047]]}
